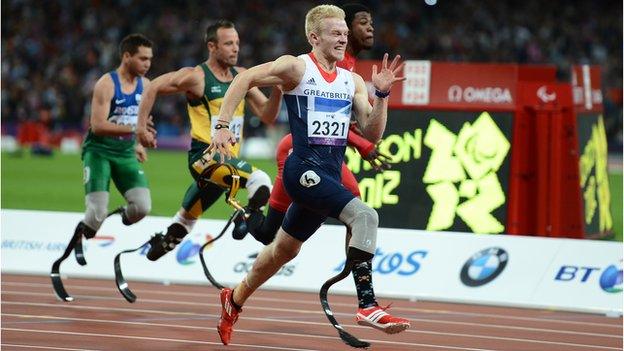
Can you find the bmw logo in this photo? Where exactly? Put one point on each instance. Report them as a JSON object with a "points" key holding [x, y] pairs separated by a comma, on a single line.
{"points": [[484, 266]]}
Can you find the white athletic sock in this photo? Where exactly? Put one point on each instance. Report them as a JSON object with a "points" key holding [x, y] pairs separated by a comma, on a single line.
{"points": [[188, 224]]}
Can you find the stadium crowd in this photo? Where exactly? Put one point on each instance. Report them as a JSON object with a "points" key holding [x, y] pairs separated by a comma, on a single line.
{"points": [[53, 51]]}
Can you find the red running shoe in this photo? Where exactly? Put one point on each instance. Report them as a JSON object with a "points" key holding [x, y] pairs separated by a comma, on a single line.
{"points": [[229, 316], [378, 318]]}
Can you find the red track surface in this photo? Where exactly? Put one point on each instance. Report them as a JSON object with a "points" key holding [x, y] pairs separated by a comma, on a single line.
{"points": [[183, 317]]}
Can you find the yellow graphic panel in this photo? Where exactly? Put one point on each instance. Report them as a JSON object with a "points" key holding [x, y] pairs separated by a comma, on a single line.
{"points": [[471, 159], [595, 179]]}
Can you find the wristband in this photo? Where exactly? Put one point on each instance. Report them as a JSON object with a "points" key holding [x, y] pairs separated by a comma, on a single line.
{"points": [[222, 121], [382, 95], [221, 126]]}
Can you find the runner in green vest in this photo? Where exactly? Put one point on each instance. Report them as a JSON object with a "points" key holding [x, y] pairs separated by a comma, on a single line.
{"points": [[109, 150]]}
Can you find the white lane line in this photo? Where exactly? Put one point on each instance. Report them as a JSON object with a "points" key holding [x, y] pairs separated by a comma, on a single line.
{"points": [[532, 341], [511, 327], [303, 302], [135, 337], [233, 344], [317, 312], [30, 347]]}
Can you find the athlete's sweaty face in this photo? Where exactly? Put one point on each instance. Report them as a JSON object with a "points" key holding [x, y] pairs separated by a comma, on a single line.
{"points": [[333, 37], [361, 35], [226, 49], [141, 61]]}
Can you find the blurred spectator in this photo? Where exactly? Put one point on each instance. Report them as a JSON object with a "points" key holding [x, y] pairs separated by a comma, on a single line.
{"points": [[171, 127], [35, 133], [54, 50]]}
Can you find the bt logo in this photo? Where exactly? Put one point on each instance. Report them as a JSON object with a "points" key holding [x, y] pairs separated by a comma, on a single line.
{"points": [[610, 280], [394, 262]]}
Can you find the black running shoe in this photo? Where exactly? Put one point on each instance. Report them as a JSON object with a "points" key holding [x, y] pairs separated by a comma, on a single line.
{"points": [[253, 217], [247, 223], [161, 244], [259, 198], [240, 226]]}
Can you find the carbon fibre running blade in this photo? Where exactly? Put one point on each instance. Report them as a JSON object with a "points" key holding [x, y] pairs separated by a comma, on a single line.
{"points": [[120, 281], [57, 283], [79, 253], [344, 335], [207, 273], [352, 340]]}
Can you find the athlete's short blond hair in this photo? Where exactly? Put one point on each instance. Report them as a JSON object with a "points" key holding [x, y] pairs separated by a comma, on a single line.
{"points": [[316, 14]]}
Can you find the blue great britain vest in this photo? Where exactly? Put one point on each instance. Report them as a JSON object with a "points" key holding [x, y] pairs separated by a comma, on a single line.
{"points": [[319, 113]]}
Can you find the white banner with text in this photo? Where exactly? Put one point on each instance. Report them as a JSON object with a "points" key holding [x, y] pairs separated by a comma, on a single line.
{"points": [[566, 274]]}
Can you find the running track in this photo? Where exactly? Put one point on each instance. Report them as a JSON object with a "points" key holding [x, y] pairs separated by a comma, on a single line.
{"points": [[183, 317]]}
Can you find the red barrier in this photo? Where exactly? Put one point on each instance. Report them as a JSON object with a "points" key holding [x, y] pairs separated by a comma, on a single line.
{"points": [[554, 195], [539, 176]]}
